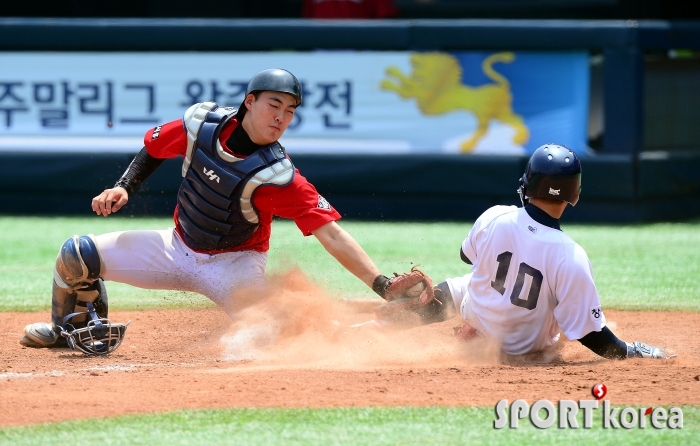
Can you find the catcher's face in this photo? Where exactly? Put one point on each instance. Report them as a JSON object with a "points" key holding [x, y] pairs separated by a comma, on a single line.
{"points": [[268, 116]]}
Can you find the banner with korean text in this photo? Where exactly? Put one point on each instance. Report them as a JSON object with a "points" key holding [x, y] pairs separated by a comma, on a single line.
{"points": [[474, 102]]}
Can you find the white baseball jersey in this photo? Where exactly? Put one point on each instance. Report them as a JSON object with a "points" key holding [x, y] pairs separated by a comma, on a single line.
{"points": [[528, 283]]}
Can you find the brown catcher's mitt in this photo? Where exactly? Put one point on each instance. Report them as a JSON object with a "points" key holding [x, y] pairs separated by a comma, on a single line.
{"points": [[405, 293]]}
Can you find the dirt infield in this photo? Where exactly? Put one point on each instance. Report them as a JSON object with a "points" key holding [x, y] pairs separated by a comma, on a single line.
{"points": [[297, 349]]}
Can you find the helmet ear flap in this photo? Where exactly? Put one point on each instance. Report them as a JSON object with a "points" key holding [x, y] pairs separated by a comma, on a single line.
{"points": [[521, 191]]}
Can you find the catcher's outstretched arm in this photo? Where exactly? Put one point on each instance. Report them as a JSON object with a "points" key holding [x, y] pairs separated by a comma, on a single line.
{"points": [[347, 252]]}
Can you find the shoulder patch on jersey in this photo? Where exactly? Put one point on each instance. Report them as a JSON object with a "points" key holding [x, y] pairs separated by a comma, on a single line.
{"points": [[596, 313], [323, 203], [156, 133], [532, 229]]}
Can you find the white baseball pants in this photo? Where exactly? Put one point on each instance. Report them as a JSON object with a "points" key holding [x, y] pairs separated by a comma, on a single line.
{"points": [[160, 260]]}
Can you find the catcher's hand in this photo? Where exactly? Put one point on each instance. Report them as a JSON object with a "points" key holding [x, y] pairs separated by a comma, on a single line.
{"points": [[414, 284], [110, 201], [643, 350], [404, 293]]}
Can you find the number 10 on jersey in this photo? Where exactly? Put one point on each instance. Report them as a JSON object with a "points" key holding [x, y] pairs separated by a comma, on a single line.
{"points": [[530, 303]]}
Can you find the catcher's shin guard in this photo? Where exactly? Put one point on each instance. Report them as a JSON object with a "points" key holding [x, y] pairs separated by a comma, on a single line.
{"points": [[77, 279], [65, 302], [79, 303]]}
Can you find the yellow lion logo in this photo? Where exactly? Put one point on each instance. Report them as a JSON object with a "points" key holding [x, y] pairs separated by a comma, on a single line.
{"points": [[436, 84]]}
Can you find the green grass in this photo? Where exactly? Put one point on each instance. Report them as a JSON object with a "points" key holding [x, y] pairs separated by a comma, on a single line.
{"points": [[651, 266], [645, 267], [350, 426]]}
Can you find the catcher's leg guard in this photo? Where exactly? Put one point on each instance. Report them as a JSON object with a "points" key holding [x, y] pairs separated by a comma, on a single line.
{"points": [[79, 304], [76, 281]]}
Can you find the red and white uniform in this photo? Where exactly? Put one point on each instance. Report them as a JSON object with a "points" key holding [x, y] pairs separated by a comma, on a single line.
{"points": [[161, 260], [529, 282], [298, 201]]}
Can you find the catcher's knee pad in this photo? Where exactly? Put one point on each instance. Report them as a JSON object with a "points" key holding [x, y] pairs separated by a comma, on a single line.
{"points": [[77, 280], [78, 263]]}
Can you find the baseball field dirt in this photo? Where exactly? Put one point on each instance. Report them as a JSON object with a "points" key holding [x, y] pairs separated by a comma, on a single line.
{"points": [[297, 348]]}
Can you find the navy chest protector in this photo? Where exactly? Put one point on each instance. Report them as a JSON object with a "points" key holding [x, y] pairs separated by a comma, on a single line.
{"points": [[215, 208]]}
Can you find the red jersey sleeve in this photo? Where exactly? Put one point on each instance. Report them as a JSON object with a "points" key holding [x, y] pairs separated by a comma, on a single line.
{"points": [[298, 201], [166, 140]]}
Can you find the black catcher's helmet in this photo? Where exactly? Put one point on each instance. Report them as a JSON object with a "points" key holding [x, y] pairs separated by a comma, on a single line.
{"points": [[553, 171], [273, 79]]}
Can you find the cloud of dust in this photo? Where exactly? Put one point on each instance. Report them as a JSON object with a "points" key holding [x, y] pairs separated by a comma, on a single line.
{"points": [[295, 324]]}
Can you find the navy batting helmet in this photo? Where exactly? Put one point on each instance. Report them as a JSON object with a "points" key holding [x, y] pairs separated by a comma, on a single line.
{"points": [[553, 171]]}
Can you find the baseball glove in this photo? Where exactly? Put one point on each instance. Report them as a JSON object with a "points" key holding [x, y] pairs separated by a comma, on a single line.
{"points": [[404, 293]]}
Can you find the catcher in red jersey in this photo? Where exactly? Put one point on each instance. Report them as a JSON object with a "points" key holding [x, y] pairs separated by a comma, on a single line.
{"points": [[236, 177]]}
